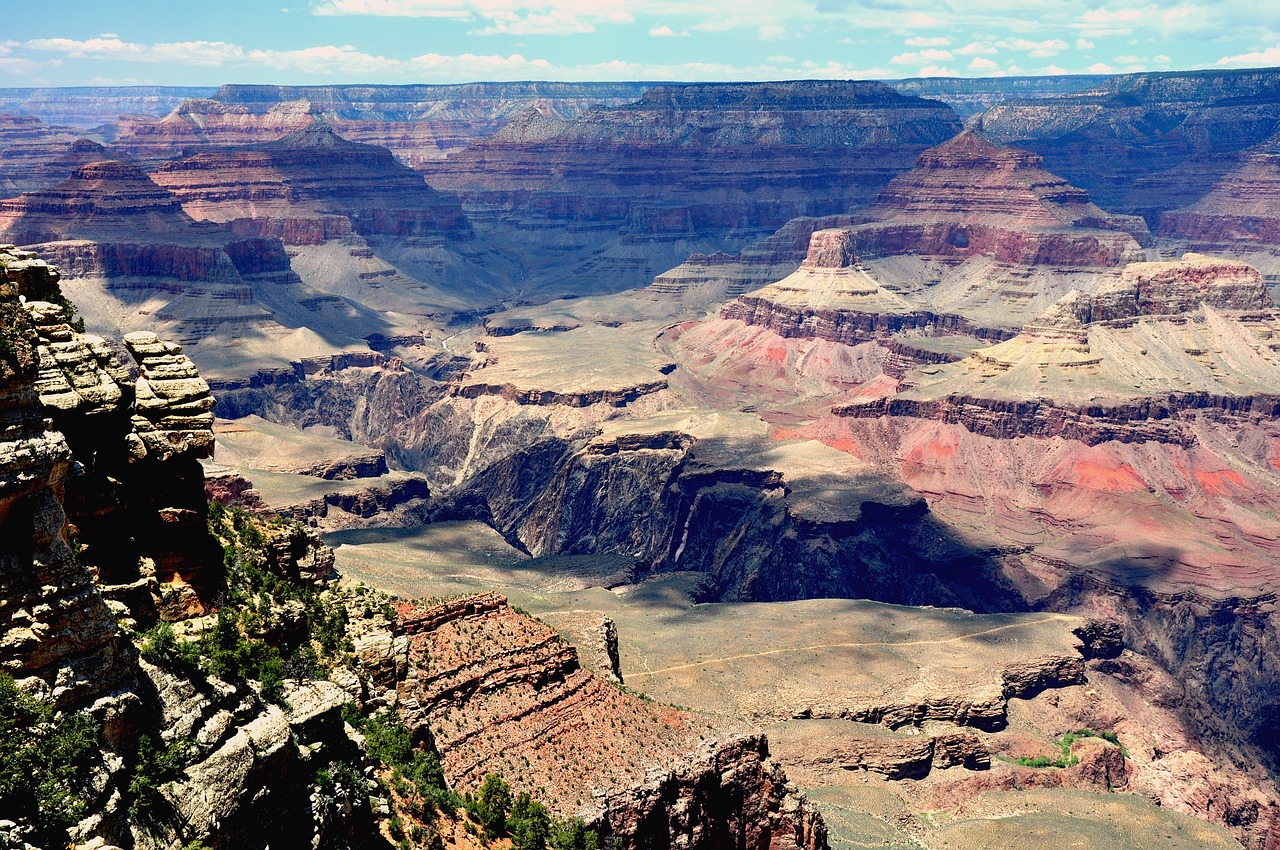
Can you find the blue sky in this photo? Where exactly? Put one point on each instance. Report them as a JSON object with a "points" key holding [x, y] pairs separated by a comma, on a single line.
{"points": [[123, 42]]}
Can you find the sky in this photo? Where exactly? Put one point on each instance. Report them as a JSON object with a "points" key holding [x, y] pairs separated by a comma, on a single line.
{"points": [[298, 42]]}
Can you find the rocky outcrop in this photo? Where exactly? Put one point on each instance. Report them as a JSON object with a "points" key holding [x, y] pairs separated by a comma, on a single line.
{"points": [[137, 445], [495, 689], [969, 196], [1177, 288], [58, 631], [849, 327], [1146, 143], [1083, 360], [310, 186], [904, 758]]}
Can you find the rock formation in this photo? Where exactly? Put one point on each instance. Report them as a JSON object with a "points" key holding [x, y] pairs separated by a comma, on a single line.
{"points": [[310, 186], [1238, 212], [501, 693], [1146, 143], [417, 123], [57, 627], [629, 186]]}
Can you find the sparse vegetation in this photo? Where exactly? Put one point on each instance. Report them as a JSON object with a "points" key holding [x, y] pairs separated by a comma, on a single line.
{"points": [[250, 638], [153, 766], [1066, 758], [45, 760]]}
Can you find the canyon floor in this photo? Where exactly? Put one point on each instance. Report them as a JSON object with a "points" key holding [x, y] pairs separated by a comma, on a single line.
{"points": [[793, 668]]}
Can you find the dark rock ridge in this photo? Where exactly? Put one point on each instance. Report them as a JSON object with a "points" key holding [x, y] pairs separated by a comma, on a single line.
{"points": [[629, 190], [1238, 212], [850, 327], [1146, 143], [826, 146], [1163, 420]]}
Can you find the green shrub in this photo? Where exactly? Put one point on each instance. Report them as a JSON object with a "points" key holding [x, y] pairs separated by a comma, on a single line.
{"points": [[530, 823], [492, 805], [152, 767], [44, 761], [574, 835]]}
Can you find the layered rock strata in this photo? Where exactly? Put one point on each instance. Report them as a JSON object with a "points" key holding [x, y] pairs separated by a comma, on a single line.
{"points": [[417, 123], [57, 628], [138, 446], [1147, 143], [311, 186], [501, 693], [1238, 212], [1133, 361]]}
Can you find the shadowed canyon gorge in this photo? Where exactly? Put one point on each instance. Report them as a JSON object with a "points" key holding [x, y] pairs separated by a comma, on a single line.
{"points": [[753, 465]]}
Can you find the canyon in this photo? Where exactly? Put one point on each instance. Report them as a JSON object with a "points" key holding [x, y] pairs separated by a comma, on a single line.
{"points": [[791, 464]]}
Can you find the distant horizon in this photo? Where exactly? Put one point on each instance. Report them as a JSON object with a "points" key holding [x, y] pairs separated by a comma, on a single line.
{"points": [[69, 43], [212, 87]]}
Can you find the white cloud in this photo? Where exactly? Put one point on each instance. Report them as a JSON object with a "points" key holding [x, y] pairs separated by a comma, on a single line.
{"points": [[936, 71], [919, 57], [934, 41], [769, 32], [1035, 49], [209, 53], [1084, 44], [345, 61], [665, 31], [1100, 68], [977, 48], [981, 64], [502, 17], [1257, 59]]}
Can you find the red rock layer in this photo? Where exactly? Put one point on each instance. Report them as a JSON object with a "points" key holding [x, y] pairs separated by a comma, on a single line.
{"points": [[1242, 210], [500, 692]]}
